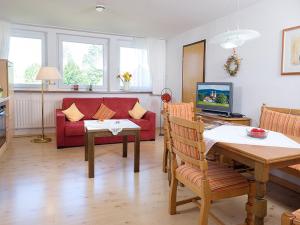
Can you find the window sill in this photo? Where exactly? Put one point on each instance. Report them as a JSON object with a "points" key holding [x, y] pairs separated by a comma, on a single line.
{"points": [[81, 91]]}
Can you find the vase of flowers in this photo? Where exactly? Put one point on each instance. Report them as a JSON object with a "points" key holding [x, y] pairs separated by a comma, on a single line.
{"points": [[125, 78]]}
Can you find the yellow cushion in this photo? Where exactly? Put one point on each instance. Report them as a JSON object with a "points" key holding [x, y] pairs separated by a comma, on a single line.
{"points": [[73, 114], [104, 113], [137, 112]]}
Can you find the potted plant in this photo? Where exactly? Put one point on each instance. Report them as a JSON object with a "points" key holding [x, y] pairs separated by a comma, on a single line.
{"points": [[125, 78]]}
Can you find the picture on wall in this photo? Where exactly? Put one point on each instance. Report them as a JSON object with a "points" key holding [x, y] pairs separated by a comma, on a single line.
{"points": [[291, 51]]}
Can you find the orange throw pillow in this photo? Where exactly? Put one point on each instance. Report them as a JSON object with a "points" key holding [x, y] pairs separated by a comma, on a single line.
{"points": [[104, 113]]}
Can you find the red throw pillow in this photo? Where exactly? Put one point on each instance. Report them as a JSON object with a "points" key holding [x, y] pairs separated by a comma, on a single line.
{"points": [[104, 113]]}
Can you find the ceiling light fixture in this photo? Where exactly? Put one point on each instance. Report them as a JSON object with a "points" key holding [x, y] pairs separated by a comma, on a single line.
{"points": [[235, 38], [100, 8]]}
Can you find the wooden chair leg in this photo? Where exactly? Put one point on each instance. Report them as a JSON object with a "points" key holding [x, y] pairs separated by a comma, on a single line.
{"points": [[165, 158], [250, 204], [287, 218], [173, 196], [204, 211]]}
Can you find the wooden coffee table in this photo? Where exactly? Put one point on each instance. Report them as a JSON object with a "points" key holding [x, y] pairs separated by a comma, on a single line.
{"points": [[95, 128]]}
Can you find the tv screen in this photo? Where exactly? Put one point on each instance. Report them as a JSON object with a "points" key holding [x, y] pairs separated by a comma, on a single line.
{"points": [[213, 96]]}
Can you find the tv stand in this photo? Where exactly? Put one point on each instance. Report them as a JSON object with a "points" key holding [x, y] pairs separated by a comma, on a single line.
{"points": [[213, 117]]}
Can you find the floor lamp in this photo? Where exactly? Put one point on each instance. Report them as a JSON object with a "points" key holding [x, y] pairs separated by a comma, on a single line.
{"points": [[45, 74]]}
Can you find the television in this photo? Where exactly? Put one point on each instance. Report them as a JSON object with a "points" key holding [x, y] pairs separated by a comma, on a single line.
{"points": [[214, 97]]}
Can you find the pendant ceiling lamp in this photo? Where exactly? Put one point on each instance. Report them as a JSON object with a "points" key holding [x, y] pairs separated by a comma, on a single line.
{"points": [[235, 38]]}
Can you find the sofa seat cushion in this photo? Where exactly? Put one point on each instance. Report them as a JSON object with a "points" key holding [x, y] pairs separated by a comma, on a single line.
{"points": [[144, 124], [74, 128], [220, 178]]}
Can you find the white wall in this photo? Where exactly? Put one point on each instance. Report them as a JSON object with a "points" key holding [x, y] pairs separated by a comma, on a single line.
{"points": [[259, 80]]}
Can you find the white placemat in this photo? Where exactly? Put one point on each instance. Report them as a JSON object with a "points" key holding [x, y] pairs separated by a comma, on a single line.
{"points": [[238, 135], [114, 126]]}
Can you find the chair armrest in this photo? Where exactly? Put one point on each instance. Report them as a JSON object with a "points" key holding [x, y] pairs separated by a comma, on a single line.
{"points": [[60, 119]]}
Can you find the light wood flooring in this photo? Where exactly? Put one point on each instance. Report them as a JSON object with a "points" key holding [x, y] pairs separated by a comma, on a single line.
{"points": [[40, 185]]}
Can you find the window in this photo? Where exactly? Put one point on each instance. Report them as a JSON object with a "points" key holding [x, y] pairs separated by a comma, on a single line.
{"points": [[83, 61], [26, 51], [135, 61]]}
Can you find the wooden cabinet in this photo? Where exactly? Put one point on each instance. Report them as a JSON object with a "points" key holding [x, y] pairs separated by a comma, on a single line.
{"points": [[208, 117], [6, 82]]}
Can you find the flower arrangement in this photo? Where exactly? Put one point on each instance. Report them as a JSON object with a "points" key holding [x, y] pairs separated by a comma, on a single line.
{"points": [[125, 77]]}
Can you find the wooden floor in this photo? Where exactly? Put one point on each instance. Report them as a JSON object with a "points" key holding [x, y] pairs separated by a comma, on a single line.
{"points": [[40, 185]]}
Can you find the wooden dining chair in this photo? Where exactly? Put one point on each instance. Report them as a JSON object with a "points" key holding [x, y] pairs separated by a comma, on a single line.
{"points": [[208, 180], [182, 110], [291, 218]]}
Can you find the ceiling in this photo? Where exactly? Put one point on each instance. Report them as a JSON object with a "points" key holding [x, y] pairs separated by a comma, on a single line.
{"points": [[155, 18]]}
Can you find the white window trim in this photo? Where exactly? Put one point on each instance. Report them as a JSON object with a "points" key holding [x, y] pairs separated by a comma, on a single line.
{"points": [[85, 40], [35, 35]]}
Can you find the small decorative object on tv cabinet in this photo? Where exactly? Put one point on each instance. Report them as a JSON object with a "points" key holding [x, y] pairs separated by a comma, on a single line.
{"points": [[166, 97], [125, 78], [232, 65], [45, 74], [290, 64], [75, 87]]}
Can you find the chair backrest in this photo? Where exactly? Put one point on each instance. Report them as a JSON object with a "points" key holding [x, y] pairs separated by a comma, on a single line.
{"points": [[283, 120], [182, 110], [186, 141]]}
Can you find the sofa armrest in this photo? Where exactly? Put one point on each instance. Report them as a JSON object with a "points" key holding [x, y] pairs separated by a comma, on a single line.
{"points": [[150, 116], [60, 119]]}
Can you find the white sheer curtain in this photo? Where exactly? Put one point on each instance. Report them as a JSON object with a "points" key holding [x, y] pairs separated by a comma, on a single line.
{"points": [[4, 39], [157, 63]]}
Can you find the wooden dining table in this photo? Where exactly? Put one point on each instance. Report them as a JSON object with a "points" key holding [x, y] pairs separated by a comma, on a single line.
{"points": [[262, 159]]}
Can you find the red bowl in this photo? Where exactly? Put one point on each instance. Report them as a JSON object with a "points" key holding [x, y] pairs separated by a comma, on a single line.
{"points": [[257, 133]]}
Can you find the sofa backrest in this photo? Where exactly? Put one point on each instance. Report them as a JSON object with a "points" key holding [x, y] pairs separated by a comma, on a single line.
{"points": [[283, 120], [121, 106], [87, 106]]}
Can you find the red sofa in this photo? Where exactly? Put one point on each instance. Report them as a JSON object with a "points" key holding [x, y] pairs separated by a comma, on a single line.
{"points": [[71, 134]]}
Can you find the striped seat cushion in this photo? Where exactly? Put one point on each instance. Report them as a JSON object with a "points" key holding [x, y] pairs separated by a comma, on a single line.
{"points": [[285, 123], [220, 178]]}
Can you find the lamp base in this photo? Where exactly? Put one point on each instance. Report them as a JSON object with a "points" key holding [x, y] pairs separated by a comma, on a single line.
{"points": [[41, 139]]}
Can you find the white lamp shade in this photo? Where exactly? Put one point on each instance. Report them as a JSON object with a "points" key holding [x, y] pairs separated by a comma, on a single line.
{"points": [[48, 73]]}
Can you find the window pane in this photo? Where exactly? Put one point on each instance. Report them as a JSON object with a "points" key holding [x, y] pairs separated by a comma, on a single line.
{"points": [[26, 54], [135, 61], [82, 64]]}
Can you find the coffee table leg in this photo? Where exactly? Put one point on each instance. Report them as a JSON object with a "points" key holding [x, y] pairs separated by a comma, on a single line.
{"points": [[91, 155], [137, 152], [125, 146], [85, 146]]}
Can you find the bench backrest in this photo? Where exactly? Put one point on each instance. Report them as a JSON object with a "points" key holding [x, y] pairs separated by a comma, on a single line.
{"points": [[283, 120]]}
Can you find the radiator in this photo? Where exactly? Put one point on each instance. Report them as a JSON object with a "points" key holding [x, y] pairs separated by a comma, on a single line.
{"points": [[28, 111]]}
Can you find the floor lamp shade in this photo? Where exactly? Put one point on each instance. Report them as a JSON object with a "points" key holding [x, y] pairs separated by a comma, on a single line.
{"points": [[48, 73]]}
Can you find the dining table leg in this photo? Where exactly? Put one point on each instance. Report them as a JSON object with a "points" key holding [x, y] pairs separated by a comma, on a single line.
{"points": [[91, 155], [137, 152], [125, 146], [261, 178]]}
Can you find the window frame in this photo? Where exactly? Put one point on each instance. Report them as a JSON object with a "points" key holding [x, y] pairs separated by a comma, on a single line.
{"points": [[83, 40], [19, 33], [129, 44]]}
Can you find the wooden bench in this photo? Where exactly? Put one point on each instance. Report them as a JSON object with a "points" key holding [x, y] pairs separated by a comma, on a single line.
{"points": [[286, 121]]}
